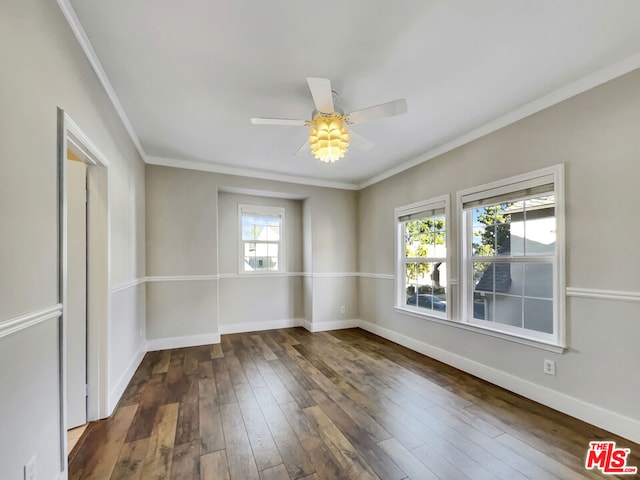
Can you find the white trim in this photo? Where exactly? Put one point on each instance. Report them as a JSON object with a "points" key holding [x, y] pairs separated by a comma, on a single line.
{"points": [[624, 426], [384, 276], [439, 203], [181, 342], [436, 203], [331, 325], [603, 294], [579, 86], [259, 326], [247, 172], [334, 274], [555, 175], [80, 34], [582, 85], [261, 193], [484, 331], [121, 385], [127, 285], [181, 278], [79, 143], [15, 324], [262, 211], [258, 275]]}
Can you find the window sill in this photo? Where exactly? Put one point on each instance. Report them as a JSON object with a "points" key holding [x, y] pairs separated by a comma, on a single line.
{"points": [[484, 331]]}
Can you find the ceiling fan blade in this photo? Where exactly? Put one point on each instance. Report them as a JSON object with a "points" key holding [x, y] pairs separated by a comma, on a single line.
{"points": [[389, 109], [321, 93], [278, 121], [361, 142]]}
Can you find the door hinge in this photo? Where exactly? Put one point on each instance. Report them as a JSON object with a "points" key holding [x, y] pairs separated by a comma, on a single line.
{"points": [[86, 390], [86, 196]]}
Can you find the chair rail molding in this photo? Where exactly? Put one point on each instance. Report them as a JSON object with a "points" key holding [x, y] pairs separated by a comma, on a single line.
{"points": [[599, 294], [16, 324]]}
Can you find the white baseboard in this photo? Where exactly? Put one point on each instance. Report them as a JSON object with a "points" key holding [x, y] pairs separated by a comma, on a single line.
{"points": [[332, 325], [288, 323], [620, 425], [118, 390], [181, 342], [258, 326]]}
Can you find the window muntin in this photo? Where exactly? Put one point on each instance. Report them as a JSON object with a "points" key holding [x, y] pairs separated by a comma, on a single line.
{"points": [[511, 258], [261, 239], [422, 266]]}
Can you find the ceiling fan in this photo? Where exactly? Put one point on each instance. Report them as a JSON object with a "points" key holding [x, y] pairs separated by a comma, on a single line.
{"points": [[329, 126]]}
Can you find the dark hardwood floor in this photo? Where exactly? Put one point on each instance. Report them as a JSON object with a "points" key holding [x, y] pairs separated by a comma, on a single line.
{"points": [[288, 404]]}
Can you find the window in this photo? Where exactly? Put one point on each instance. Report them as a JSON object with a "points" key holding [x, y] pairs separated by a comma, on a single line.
{"points": [[422, 258], [261, 239], [512, 249]]}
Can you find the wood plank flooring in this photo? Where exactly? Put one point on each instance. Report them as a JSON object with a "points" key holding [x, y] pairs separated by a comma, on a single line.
{"points": [[288, 404]]}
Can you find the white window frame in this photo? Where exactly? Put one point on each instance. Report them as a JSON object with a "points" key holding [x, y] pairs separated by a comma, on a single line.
{"points": [[554, 175], [261, 211], [436, 203]]}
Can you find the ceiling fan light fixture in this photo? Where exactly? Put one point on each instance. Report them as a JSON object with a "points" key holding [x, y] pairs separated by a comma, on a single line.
{"points": [[328, 137]]}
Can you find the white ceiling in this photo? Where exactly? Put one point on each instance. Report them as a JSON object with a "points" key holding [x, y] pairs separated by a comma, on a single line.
{"points": [[190, 74]]}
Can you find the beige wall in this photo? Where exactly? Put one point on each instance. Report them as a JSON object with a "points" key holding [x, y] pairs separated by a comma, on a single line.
{"points": [[595, 135], [190, 228], [254, 299], [181, 242], [43, 69]]}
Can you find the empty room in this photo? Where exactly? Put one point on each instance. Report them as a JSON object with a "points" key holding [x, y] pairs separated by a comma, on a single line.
{"points": [[290, 240]]}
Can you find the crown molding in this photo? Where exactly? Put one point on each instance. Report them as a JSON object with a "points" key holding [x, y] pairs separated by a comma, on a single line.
{"points": [[571, 90], [246, 172], [83, 39], [585, 83]]}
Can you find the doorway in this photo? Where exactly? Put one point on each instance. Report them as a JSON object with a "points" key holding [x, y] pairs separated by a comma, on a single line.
{"points": [[76, 307], [83, 266]]}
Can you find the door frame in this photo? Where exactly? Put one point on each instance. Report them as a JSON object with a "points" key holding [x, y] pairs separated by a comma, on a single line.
{"points": [[71, 137]]}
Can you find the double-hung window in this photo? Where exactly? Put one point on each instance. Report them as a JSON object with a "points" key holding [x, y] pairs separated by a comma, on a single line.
{"points": [[422, 258], [512, 256], [261, 239]]}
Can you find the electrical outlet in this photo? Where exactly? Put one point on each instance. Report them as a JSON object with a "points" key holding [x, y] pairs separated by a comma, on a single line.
{"points": [[30, 469], [549, 367], [342, 309]]}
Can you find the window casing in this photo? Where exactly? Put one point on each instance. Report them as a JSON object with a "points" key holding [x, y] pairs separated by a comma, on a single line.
{"points": [[261, 235], [513, 255], [422, 238]]}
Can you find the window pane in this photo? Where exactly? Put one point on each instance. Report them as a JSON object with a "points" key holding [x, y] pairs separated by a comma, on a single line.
{"points": [[248, 263], [272, 253], [249, 249], [425, 285], [479, 247], [481, 302], [439, 224], [508, 310], [511, 278], [425, 238], [412, 246], [498, 277], [503, 239], [272, 233], [492, 229], [483, 276], [538, 315], [247, 228], [260, 263], [538, 278], [411, 289], [540, 226]]}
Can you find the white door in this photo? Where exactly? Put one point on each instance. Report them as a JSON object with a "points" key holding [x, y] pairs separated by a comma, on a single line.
{"points": [[76, 308]]}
